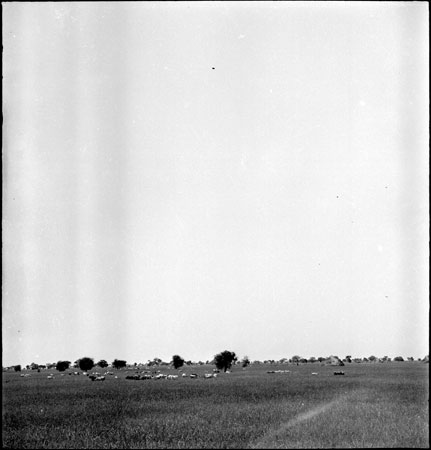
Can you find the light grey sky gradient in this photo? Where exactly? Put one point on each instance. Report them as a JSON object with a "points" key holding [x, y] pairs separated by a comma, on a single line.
{"points": [[185, 178]]}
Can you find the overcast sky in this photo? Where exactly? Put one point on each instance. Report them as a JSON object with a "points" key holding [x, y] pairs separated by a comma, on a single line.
{"points": [[185, 178]]}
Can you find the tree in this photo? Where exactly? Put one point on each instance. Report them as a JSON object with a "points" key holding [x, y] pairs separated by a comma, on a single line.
{"points": [[398, 358], [17, 368], [372, 358], [34, 366], [348, 358], [61, 366], [224, 360], [245, 361], [86, 363], [119, 363], [295, 359], [177, 361], [102, 363]]}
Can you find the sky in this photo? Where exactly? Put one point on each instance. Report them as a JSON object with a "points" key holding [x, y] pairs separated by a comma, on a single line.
{"points": [[190, 177]]}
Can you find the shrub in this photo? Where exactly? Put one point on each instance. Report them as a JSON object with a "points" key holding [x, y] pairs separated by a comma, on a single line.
{"points": [[119, 363], [61, 366], [86, 363]]}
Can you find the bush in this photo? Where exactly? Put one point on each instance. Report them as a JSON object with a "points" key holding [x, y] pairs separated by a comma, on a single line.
{"points": [[119, 363], [224, 360], [86, 363], [102, 363], [61, 366], [398, 358], [177, 361]]}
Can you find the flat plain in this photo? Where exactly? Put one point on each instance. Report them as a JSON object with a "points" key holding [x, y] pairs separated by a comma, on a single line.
{"points": [[372, 405]]}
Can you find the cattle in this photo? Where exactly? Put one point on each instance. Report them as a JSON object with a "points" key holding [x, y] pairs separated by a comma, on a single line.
{"points": [[132, 377], [193, 375], [184, 375], [208, 375], [96, 378], [50, 377], [172, 377], [216, 371], [339, 373], [313, 373]]}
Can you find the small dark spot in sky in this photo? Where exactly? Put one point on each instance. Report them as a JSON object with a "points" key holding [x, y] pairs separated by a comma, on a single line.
{"points": [[337, 196], [213, 68], [386, 187]]}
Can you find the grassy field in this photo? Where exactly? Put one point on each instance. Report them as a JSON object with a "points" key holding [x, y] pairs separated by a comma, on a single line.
{"points": [[372, 405]]}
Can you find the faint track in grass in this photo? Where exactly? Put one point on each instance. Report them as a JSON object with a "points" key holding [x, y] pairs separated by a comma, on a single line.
{"points": [[269, 439]]}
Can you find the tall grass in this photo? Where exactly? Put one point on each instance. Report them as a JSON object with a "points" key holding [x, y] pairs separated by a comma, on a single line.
{"points": [[373, 405]]}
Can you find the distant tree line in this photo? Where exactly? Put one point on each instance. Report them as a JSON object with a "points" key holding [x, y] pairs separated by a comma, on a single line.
{"points": [[223, 361]]}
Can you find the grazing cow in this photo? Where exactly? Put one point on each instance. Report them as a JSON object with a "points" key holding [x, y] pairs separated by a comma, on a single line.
{"points": [[208, 375], [50, 377], [313, 373], [96, 378], [184, 375], [132, 377], [193, 375], [216, 371], [339, 373], [172, 377]]}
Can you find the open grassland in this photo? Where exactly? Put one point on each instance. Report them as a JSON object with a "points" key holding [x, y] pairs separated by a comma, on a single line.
{"points": [[373, 405]]}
